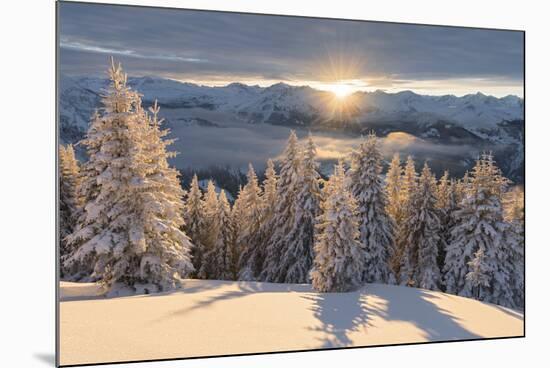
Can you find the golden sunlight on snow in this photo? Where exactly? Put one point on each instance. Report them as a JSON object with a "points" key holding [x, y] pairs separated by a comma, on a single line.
{"points": [[224, 317]]}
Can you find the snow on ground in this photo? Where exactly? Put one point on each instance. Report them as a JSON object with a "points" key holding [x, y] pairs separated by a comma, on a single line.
{"points": [[222, 317]]}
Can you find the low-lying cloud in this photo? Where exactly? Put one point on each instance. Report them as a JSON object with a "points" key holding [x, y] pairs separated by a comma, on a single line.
{"points": [[234, 143]]}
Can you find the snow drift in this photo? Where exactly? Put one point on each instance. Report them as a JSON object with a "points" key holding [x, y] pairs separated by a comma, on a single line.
{"points": [[208, 318]]}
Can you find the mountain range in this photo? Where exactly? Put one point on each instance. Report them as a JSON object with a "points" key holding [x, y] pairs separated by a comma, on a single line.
{"points": [[473, 123]]}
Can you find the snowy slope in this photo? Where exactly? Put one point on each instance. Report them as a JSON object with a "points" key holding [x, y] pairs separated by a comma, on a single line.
{"points": [[222, 317], [474, 110]]}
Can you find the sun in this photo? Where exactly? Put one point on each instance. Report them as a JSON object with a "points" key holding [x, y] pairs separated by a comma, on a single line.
{"points": [[340, 90]]}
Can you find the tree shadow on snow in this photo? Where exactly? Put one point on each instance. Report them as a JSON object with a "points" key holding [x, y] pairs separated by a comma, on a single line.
{"points": [[189, 286], [244, 289], [92, 291], [341, 314], [416, 307]]}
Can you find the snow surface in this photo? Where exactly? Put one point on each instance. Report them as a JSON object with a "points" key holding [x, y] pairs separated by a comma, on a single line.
{"points": [[222, 317]]}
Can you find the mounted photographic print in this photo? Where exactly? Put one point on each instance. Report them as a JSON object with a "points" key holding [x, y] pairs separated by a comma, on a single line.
{"points": [[235, 183]]}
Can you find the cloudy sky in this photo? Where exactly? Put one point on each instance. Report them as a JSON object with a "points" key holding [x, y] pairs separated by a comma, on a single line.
{"points": [[218, 48]]}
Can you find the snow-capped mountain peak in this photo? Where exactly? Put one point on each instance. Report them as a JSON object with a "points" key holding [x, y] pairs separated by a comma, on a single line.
{"points": [[473, 119]]}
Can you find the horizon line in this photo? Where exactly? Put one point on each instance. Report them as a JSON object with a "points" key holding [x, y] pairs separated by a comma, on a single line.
{"points": [[225, 84]]}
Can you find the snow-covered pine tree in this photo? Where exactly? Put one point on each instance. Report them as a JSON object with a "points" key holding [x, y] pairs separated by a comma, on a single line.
{"points": [[210, 203], [132, 228], [376, 227], [478, 277], [269, 196], [252, 260], [515, 240], [393, 189], [443, 192], [169, 248], [460, 249], [274, 267], [210, 214], [394, 208], [237, 221], [408, 183], [251, 256], [339, 261], [220, 256], [514, 205], [503, 286], [459, 188], [499, 183], [195, 221], [480, 226], [297, 255], [445, 196], [462, 187], [87, 192], [89, 188], [409, 178], [269, 202], [69, 201], [422, 227], [454, 195], [210, 233]]}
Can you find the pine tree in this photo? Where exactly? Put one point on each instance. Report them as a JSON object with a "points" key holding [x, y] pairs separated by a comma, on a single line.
{"points": [[462, 187], [422, 228], [275, 268], [514, 205], [479, 275], [480, 226], [408, 183], [514, 214], [252, 260], [69, 201], [251, 256], [238, 226], [132, 228], [394, 207], [339, 257], [503, 283], [210, 233], [460, 249], [297, 256], [210, 214], [82, 269], [220, 256], [376, 227], [170, 248], [444, 203], [89, 188], [443, 192], [195, 221], [393, 190], [269, 197]]}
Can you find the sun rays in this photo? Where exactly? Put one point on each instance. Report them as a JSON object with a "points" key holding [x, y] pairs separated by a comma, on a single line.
{"points": [[341, 90]]}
